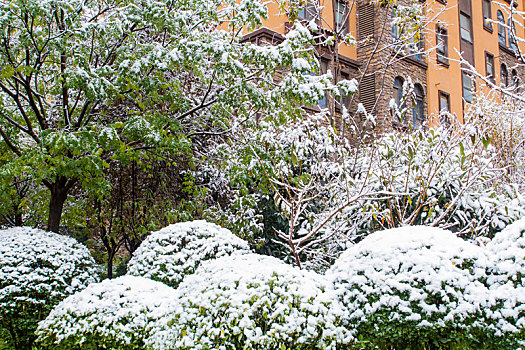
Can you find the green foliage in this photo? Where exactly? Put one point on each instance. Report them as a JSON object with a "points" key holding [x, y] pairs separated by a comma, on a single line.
{"points": [[37, 270]]}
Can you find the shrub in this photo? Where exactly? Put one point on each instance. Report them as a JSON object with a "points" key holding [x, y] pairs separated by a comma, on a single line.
{"points": [[114, 314], [37, 270], [252, 302], [413, 287], [506, 280], [175, 251], [438, 178]]}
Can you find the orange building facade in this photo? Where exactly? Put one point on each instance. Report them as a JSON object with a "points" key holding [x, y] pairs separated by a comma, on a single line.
{"points": [[451, 30]]}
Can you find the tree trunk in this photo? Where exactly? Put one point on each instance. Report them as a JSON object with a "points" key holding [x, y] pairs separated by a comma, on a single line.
{"points": [[110, 265], [59, 191]]}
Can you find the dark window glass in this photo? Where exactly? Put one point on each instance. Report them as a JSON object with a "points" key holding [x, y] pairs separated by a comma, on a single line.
{"points": [[444, 108], [502, 33], [341, 16], [418, 110], [323, 103], [468, 87], [489, 66], [396, 31], [442, 44], [504, 76], [465, 27], [512, 39], [309, 11], [487, 14], [398, 91], [515, 81]]}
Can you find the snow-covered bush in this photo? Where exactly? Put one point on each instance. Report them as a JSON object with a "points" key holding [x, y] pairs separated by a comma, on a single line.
{"points": [[116, 314], [37, 270], [506, 280], [413, 286], [177, 250], [252, 302], [439, 178]]}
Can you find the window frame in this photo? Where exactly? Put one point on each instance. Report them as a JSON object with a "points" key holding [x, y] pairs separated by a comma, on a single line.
{"points": [[446, 96], [308, 14], [442, 57], [470, 93], [512, 41], [515, 81], [345, 15], [418, 108], [503, 68], [489, 59], [398, 91], [487, 14], [323, 69], [461, 28], [502, 30]]}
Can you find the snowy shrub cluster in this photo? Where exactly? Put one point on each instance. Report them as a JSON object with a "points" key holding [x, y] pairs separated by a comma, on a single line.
{"points": [[177, 250], [413, 286], [116, 314], [506, 280], [438, 178], [37, 270], [252, 302]]}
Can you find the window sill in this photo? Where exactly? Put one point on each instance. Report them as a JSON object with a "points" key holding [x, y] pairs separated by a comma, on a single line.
{"points": [[488, 28], [507, 50], [443, 62], [415, 61]]}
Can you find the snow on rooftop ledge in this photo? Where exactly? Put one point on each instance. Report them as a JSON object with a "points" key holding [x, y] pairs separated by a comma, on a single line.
{"points": [[255, 302], [177, 250], [419, 277], [115, 313]]}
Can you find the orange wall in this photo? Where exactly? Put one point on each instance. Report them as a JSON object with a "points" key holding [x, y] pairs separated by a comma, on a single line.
{"points": [[276, 22], [449, 79]]}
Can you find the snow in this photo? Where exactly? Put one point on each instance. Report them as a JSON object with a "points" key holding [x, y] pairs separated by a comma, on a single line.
{"points": [[414, 273], [505, 277], [231, 300], [41, 268], [111, 313], [177, 250]]}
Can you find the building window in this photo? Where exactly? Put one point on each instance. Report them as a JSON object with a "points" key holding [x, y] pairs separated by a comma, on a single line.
{"points": [[341, 16], [308, 12], [504, 76], [515, 81], [512, 39], [442, 45], [465, 23], [398, 91], [468, 86], [487, 15], [489, 66], [444, 108], [502, 33], [323, 67], [418, 110], [345, 98], [396, 31]]}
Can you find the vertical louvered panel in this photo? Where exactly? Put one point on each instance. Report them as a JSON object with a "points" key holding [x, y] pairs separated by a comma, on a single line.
{"points": [[366, 21], [367, 92]]}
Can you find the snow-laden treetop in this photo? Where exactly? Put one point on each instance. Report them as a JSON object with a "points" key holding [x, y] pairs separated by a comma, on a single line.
{"points": [[177, 250]]}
